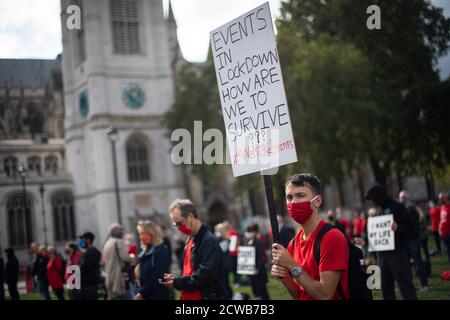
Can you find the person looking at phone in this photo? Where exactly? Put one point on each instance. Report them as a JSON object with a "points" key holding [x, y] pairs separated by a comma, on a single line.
{"points": [[202, 277]]}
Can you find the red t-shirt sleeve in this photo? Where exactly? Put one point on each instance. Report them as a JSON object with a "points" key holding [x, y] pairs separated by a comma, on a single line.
{"points": [[333, 252], [289, 248]]}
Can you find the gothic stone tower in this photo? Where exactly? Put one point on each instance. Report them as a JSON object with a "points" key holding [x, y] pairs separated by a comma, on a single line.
{"points": [[118, 71]]}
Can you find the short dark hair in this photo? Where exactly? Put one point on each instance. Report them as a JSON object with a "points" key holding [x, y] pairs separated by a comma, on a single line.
{"points": [[253, 228], [305, 180], [186, 206], [88, 236]]}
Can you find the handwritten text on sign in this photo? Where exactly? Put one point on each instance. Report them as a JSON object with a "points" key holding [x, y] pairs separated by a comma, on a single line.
{"points": [[246, 263], [252, 95], [381, 236]]}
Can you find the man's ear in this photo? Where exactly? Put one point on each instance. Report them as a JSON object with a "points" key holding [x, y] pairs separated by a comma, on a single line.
{"points": [[318, 201]]}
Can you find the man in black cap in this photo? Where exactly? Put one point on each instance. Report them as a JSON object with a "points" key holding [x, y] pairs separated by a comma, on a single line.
{"points": [[394, 264], [89, 264]]}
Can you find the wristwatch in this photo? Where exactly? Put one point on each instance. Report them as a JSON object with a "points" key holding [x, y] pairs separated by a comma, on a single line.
{"points": [[295, 272]]}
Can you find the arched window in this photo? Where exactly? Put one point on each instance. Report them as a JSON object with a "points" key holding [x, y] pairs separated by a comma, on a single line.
{"points": [[17, 225], [63, 216], [137, 160], [51, 164], [10, 166], [34, 164]]}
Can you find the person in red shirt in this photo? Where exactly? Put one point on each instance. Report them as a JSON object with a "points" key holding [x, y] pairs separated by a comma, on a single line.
{"points": [[55, 271], [444, 224], [296, 267], [344, 221], [435, 216], [362, 224]]}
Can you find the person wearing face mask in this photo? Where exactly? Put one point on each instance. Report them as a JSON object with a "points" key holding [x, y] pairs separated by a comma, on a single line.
{"points": [[153, 263], [414, 238], [394, 264], [202, 277], [296, 266], [89, 264], [115, 258], [331, 216], [258, 281]]}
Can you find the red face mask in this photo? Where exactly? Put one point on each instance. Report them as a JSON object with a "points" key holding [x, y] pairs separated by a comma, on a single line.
{"points": [[300, 211], [182, 228]]}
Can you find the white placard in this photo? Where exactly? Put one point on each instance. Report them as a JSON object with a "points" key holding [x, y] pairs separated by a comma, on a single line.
{"points": [[246, 263], [381, 237], [252, 95]]}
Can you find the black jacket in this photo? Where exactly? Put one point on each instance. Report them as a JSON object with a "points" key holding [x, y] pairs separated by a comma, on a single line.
{"points": [[414, 217], [379, 195], [207, 260], [40, 267], [89, 264], [259, 261], [2, 272], [11, 269], [154, 263]]}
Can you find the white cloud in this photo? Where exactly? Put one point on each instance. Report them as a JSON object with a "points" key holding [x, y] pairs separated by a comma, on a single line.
{"points": [[30, 29], [196, 18]]}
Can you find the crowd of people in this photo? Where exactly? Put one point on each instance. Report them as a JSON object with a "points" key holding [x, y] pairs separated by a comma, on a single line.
{"points": [[312, 258]]}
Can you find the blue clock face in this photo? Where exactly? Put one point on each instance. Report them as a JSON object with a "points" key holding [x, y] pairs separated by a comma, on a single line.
{"points": [[133, 96], [83, 104]]}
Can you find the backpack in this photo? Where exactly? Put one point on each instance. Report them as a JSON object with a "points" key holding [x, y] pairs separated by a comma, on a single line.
{"points": [[357, 275]]}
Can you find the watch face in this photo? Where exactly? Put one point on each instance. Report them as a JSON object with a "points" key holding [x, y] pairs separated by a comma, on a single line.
{"points": [[133, 96], [295, 272], [83, 104]]}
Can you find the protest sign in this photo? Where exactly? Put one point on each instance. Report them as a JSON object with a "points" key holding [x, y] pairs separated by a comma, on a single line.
{"points": [[381, 237], [246, 263], [252, 95]]}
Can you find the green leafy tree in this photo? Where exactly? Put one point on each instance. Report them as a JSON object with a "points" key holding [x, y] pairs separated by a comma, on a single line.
{"points": [[400, 61]]}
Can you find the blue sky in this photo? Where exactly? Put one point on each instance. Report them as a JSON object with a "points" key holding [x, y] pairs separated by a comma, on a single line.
{"points": [[32, 29]]}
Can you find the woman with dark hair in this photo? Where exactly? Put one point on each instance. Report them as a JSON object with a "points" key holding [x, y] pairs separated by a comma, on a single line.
{"points": [[153, 263], [12, 273]]}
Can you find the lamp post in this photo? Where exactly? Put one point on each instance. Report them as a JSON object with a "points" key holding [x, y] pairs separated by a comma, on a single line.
{"points": [[41, 191], [113, 136], [23, 174]]}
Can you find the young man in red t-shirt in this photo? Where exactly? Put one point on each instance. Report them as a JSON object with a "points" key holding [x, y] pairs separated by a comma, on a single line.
{"points": [[444, 224], [296, 267]]}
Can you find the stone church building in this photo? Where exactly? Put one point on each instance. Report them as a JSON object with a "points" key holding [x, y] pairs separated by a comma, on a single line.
{"points": [[117, 70]]}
